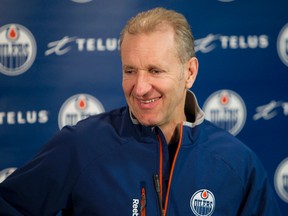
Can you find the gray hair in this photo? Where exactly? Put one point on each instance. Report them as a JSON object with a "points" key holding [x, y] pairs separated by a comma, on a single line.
{"points": [[151, 20]]}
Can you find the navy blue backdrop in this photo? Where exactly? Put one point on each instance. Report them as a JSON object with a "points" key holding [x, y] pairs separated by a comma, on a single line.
{"points": [[59, 63]]}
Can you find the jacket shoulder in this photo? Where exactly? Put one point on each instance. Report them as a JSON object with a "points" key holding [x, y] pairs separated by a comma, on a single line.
{"points": [[231, 152]]}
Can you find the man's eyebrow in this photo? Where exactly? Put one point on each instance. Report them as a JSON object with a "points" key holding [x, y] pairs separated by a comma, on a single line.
{"points": [[125, 67], [147, 67]]}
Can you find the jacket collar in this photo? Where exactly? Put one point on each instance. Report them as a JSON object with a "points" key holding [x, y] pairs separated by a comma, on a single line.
{"points": [[194, 115]]}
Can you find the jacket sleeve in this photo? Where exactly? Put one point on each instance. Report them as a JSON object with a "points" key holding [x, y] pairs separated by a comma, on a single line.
{"points": [[42, 186], [259, 198]]}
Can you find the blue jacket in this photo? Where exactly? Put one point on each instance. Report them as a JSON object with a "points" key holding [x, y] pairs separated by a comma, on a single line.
{"points": [[110, 165]]}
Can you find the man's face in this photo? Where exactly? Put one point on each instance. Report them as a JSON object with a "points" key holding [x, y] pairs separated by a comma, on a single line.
{"points": [[154, 80]]}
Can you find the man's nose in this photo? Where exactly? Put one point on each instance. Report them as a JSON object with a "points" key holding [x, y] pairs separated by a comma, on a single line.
{"points": [[142, 83]]}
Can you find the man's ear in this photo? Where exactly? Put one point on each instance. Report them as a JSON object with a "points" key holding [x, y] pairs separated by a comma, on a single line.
{"points": [[192, 70]]}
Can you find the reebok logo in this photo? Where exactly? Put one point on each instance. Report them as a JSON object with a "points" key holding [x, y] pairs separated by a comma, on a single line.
{"points": [[135, 205]]}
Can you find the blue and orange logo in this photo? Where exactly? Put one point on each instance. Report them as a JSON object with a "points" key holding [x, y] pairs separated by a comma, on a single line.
{"points": [[202, 203], [17, 49]]}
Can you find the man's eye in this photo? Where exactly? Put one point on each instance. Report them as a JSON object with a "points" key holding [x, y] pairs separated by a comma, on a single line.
{"points": [[129, 71], [155, 71]]}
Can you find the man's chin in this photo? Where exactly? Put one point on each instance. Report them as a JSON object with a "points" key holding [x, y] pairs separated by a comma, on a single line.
{"points": [[148, 122], [146, 119]]}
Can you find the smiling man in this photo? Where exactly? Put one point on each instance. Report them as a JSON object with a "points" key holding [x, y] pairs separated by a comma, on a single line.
{"points": [[156, 156], [155, 81]]}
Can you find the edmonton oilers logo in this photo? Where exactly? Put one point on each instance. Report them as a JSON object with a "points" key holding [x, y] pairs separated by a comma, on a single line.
{"points": [[17, 49], [227, 110], [78, 107], [281, 180], [202, 203], [282, 44]]}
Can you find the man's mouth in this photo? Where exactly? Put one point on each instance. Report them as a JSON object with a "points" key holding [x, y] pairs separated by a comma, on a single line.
{"points": [[150, 100]]}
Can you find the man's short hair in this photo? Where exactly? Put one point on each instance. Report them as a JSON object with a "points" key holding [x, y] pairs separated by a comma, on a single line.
{"points": [[157, 18]]}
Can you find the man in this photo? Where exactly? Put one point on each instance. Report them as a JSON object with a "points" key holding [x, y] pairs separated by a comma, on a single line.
{"points": [[158, 156]]}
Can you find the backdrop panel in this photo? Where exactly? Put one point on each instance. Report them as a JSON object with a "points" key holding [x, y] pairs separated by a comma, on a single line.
{"points": [[60, 62]]}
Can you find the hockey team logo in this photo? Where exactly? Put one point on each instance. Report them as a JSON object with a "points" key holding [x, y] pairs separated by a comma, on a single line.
{"points": [[17, 49], [202, 203], [227, 110], [282, 44], [281, 180], [78, 107]]}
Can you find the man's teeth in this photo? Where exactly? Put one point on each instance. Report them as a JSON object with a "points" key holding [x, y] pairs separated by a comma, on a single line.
{"points": [[149, 101]]}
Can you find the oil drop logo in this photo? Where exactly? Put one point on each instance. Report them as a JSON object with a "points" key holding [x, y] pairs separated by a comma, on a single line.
{"points": [[17, 49], [202, 203], [281, 180], [227, 110], [282, 44], [78, 107]]}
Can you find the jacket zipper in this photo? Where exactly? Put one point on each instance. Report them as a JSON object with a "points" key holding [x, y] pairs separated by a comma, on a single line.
{"points": [[158, 190], [158, 178]]}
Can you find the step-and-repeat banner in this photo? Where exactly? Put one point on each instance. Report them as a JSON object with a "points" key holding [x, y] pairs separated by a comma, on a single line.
{"points": [[60, 62]]}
